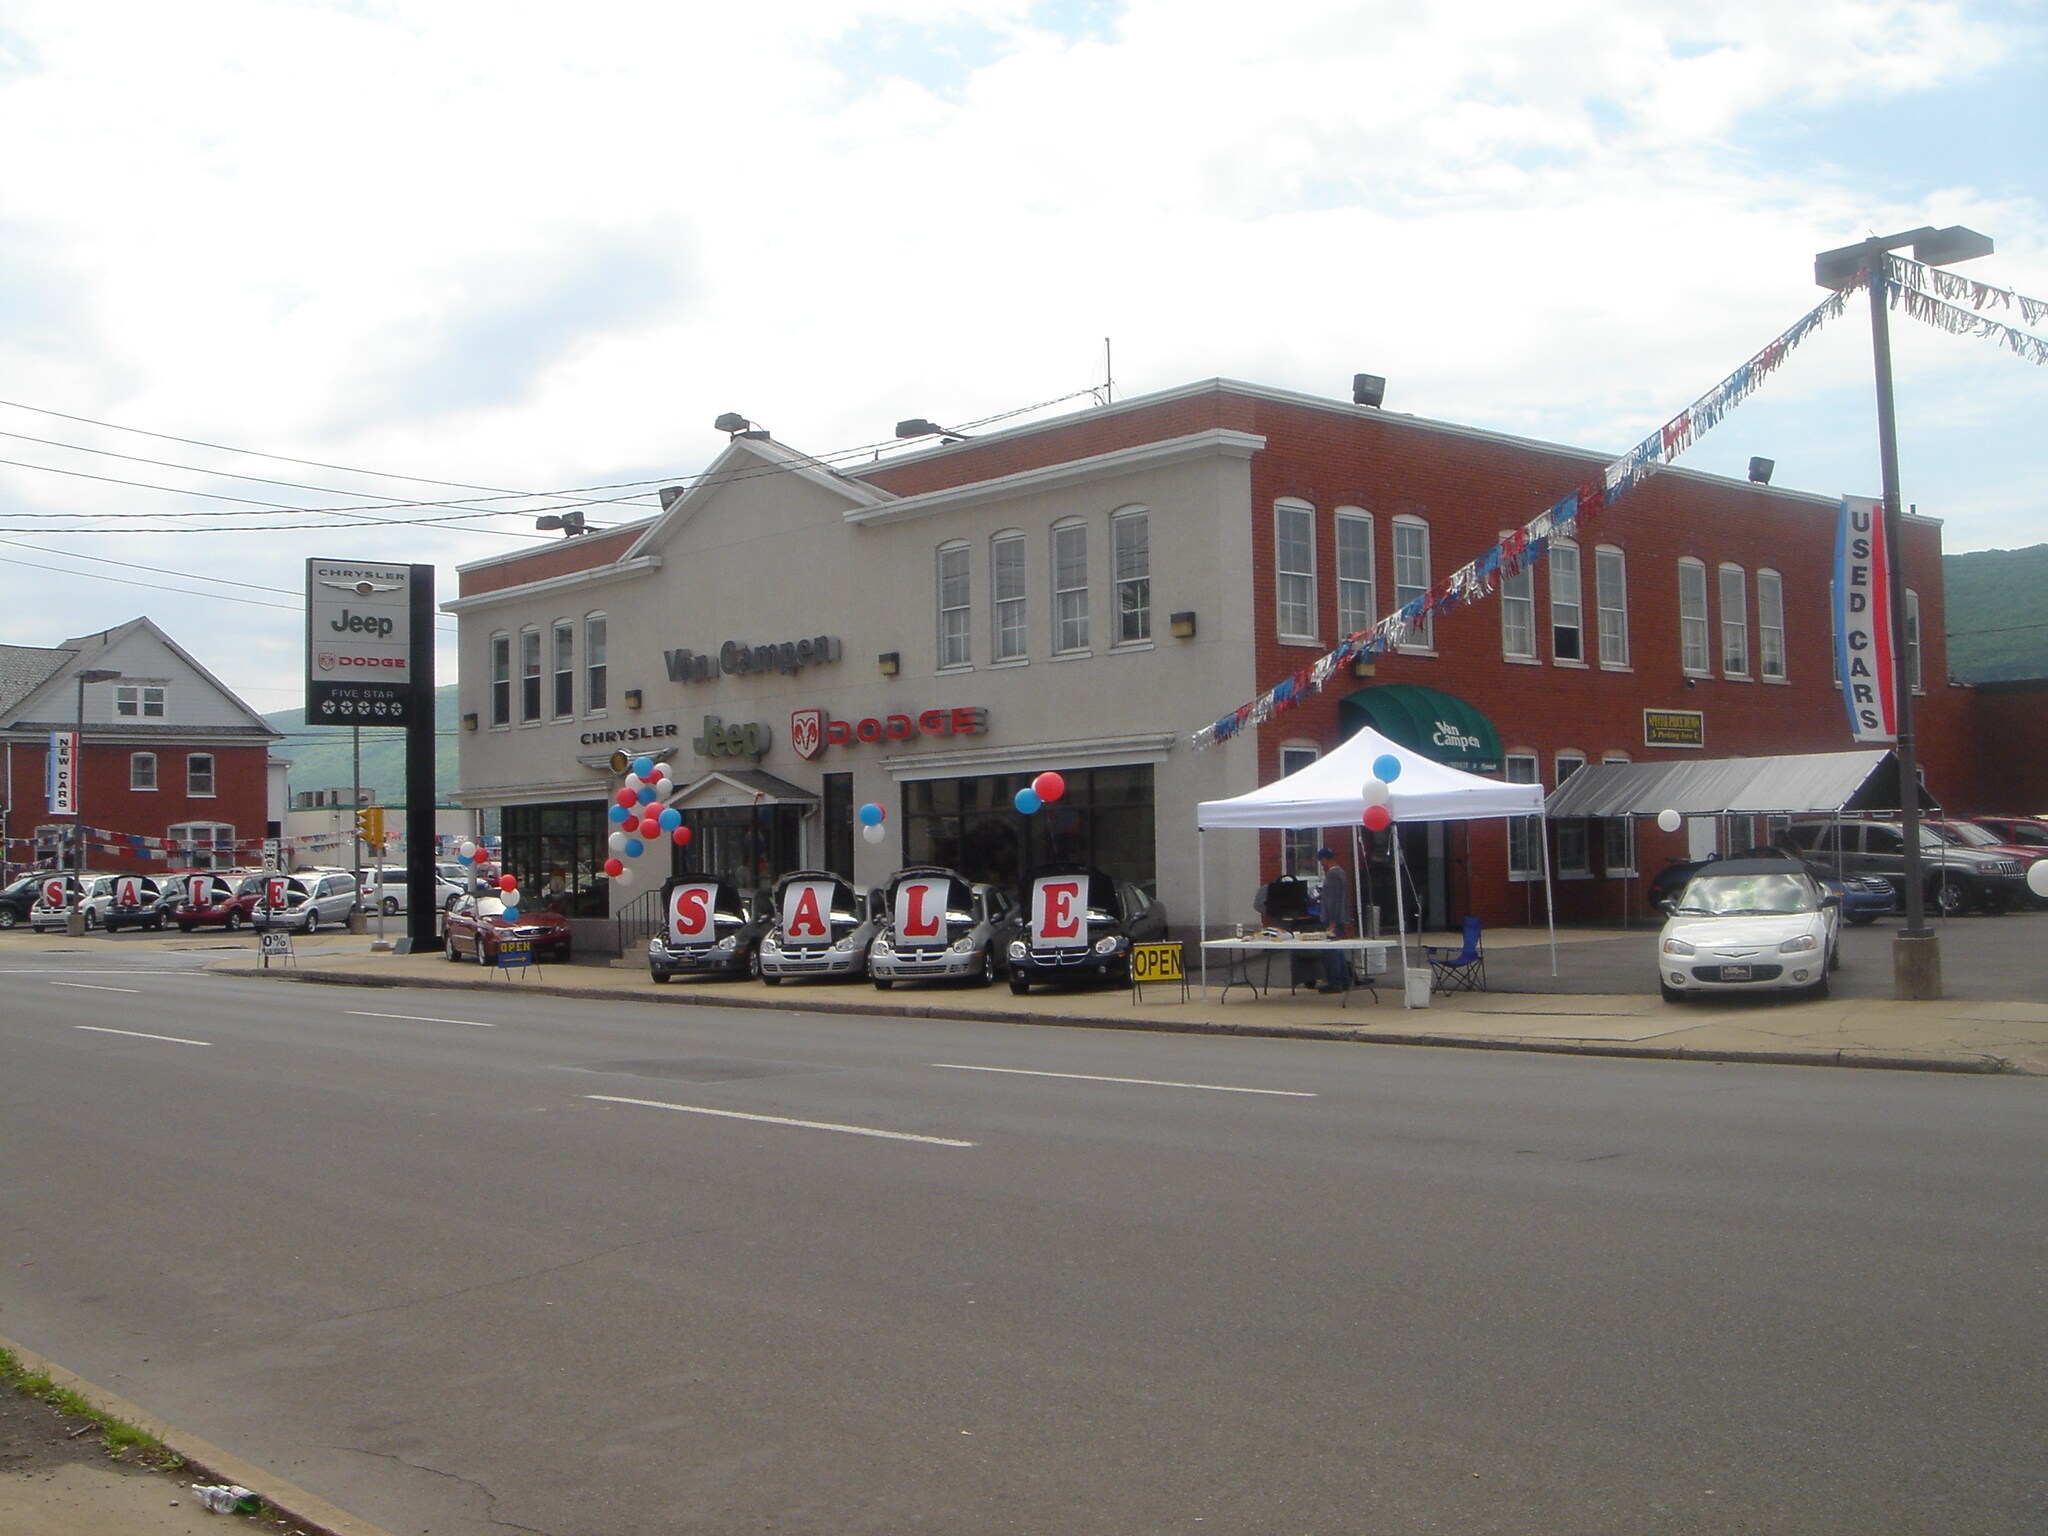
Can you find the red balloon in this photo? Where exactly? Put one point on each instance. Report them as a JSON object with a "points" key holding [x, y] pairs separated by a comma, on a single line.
{"points": [[650, 827], [508, 882], [1048, 786], [614, 867], [1378, 818], [628, 797], [681, 836]]}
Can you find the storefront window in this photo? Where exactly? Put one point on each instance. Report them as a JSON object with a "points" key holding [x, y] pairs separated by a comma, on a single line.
{"points": [[1522, 829], [558, 852], [1105, 818]]}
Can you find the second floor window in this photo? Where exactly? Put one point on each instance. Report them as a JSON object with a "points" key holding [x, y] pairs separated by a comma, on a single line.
{"points": [[565, 669], [1518, 615], [1610, 591], [1070, 587], [1770, 625], [1006, 582], [1357, 603], [142, 770], [138, 701], [1411, 577], [595, 669], [501, 679], [199, 774], [1294, 568], [1130, 539], [529, 674], [955, 610], [1734, 622], [1692, 617], [1567, 617]]}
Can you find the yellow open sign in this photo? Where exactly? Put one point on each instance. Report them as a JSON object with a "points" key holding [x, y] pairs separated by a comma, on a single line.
{"points": [[1155, 962]]}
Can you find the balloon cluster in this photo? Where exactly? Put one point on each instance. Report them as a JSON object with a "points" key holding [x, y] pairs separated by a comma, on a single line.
{"points": [[1040, 792], [1379, 792], [641, 818], [871, 818]]}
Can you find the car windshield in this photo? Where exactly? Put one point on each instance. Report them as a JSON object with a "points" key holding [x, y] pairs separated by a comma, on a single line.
{"points": [[1748, 895], [1964, 833]]}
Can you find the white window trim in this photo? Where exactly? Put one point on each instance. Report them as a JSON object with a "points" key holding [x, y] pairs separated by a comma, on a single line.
{"points": [[1531, 827], [1126, 515], [1916, 656], [511, 683], [1704, 620], [538, 674], [555, 671], [1356, 517], [1578, 595], [212, 791], [1722, 572], [591, 668], [155, 778], [1085, 648], [1311, 635], [1525, 580], [1763, 672], [1600, 610], [964, 553], [1628, 870], [1584, 826], [1426, 644], [996, 601]]}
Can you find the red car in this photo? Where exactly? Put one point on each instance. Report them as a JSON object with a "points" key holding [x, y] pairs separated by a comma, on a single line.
{"points": [[476, 925], [1999, 834], [2016, 831], [230, 898]]}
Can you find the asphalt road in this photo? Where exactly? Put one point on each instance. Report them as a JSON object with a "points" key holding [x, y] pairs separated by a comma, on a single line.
{"points": [[469, 1262]]}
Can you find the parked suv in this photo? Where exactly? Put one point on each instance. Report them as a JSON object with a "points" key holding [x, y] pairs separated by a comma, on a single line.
{"points": [[1954, 879], [313, 897], [17, 900]]}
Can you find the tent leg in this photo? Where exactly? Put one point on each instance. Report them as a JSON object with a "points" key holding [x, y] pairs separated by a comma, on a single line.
{"points": [[1549, 898], [1401, 916], [1202, 899]]}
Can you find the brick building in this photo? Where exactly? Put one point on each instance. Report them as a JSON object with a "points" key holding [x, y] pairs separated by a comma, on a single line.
{"points": [[172, 765], [1101, 586]]}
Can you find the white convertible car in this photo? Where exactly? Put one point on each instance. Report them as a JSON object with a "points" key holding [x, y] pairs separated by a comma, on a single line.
{"points": [[1748, 925]]}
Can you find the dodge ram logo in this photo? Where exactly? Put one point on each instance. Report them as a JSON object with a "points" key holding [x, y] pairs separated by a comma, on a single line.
{"points": [[807, 732]]}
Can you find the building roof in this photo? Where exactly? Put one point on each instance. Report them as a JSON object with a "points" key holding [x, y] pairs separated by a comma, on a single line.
{"points": [[24, 669]]}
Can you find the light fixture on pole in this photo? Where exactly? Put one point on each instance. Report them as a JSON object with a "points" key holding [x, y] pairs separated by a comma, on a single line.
{"points": [[74, 920], [1916, 951], [917, 426]]}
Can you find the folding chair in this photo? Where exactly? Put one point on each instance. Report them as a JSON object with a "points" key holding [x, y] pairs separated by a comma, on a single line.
{"points": [[1458, 970]]}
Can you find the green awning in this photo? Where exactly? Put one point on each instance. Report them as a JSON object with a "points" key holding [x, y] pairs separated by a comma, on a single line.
{"points": [[1441, 726]]}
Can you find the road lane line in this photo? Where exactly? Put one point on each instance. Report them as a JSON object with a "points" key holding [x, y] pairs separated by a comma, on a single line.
{"points": [[1141, 1082], [802, 1125], [136, 1034], [417, 1018], [86, 986]]}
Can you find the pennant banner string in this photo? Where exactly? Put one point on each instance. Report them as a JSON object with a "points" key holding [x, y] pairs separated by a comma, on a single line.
{"points": [[1925, 305], [1526, 545], [1962, 290]]}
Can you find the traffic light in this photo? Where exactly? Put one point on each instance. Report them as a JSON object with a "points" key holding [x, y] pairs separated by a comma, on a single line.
{"points": [[370, 826]]}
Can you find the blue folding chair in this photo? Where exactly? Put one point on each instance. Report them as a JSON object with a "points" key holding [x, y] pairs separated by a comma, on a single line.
{"points": [[1458, 970]]}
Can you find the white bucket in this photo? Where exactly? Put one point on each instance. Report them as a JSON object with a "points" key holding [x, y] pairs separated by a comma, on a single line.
{"points": [[1419, 986]]}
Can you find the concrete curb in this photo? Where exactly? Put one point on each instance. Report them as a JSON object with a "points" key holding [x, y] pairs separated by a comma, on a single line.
{"points": [[1973, 1064], [209, 1462]]}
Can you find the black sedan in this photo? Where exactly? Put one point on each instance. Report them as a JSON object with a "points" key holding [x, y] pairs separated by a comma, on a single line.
{"points": [[1079, 926], [709, 928]]}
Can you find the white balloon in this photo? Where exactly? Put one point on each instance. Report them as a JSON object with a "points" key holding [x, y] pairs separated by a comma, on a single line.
{"points": [[1668, 821], [661, 771], [632, 781], [875, 833], [510, 898], [2037, 877], [623, 877], [616, 842], [1378, 792], [468, 849]]}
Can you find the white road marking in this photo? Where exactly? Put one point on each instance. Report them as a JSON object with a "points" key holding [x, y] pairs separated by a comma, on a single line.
{"points": [[802, 1125], [418, 1018], [86, 986], [1141, 1082], [136, 1034]]}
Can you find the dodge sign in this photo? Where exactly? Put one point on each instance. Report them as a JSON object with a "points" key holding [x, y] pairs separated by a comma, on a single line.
{"points": [[358, 643]]}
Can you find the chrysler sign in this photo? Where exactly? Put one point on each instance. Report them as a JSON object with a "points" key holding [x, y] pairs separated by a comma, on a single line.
{"points": [[359, 643]]}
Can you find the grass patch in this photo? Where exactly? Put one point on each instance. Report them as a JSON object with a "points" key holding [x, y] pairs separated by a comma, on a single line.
{"points": [[129, 1441]]}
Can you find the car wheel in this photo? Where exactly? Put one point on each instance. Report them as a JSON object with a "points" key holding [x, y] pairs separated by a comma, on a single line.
{"points": [[184, 927], [390, 905], [483, 954], [448, 948], [988, 967], [883, 983], [7, 917], [312, 921], [1835, 958], [661, 978], [1018, 984], [1671, 993], [234, 921], [1950, 896], [92, 919], [773, 981], [1819, 990], [754, 966], [1862, 919]]}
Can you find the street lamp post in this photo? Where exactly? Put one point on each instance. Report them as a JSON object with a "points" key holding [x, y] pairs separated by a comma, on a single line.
{"points": [[1916, 951], [74, 920]]}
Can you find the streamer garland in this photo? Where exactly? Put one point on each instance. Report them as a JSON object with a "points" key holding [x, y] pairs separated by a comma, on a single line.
{"points": [[1928, 294]]}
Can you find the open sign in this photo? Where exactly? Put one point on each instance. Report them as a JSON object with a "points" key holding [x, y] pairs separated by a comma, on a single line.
{"points": [[807, 912], [689, 913], [1059, 911], [920, 915]]}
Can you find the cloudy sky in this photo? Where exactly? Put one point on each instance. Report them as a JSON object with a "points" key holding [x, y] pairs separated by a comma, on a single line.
{"points": [[381, 280]]}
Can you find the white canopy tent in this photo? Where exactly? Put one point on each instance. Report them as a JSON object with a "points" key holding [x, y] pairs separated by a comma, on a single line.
{"points": [[1330, 792]]}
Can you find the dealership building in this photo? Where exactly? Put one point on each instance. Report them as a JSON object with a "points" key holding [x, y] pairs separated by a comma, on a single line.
{"points": [[929, 631]]}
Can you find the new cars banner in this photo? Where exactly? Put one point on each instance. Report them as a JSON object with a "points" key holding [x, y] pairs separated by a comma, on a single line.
{"points": [[1863, 621], [60, 788]]}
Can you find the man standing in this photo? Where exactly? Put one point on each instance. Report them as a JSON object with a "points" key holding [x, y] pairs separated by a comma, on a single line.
{"points": [[1336, 919]]}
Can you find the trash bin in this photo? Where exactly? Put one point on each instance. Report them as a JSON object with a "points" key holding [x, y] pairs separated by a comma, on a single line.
{"points": [[1419, 978]]}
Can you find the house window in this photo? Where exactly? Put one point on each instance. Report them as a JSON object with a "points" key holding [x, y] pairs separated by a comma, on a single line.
{"points": [[1692, 618], [955, 611], [1734, 622], [142, 770], [1573, 843], [1070, 587], [203, 844], [1610, 592], [1567, 613], [1913, 640], [137, 701], [199, 774], [565, 669], [1518, 615], [501, 679], [1297, 844], [1357, 602], [1006, 580], [1770, 626], [1411, 576], [1294, 566], [1522, 830], [529, 675], [1130, 546], [1617, 836], [595, 671]]}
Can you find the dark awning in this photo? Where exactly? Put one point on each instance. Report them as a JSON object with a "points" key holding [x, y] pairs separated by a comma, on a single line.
{"points": [[1440, 726], [1810, 784]]}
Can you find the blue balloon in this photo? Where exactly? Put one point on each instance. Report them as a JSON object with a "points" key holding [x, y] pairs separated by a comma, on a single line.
{"points": [[634, 847], [620, 814], [644, 766], [646, 795], [465, 858], [670, 818], [1028, 801], [511, 914], [871, 815], [1387, 767]]}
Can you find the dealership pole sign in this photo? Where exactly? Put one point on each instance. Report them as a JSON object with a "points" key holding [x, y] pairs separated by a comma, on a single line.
{"points": [[359, 643], [1863, 621], [60, 786]]}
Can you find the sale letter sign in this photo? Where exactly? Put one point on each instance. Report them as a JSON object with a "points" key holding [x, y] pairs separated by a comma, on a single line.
{"points": [[689, 914], [920, 913], [806, 911], [1059, 911]]}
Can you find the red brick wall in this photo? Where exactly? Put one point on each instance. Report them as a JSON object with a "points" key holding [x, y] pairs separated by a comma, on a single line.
{"points": [[562, 559], [240, 798], [2008, 738]]}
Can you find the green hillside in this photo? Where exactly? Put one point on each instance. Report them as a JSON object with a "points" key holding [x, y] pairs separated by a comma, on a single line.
{"points": [[1996, 625], [322, 756]]}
